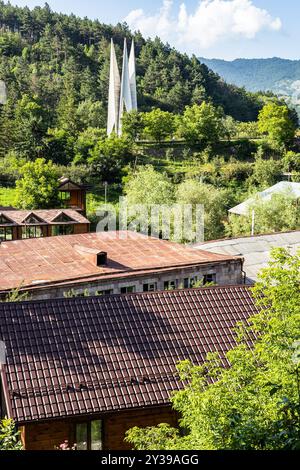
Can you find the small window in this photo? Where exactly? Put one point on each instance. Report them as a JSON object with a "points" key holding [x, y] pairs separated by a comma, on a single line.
{"points": [[104, 292], [65, 195], [88, 436], [151, 287], [34, 231], [209, 279], [62, 230], [169, 285], [6, 234], [127, 289]]}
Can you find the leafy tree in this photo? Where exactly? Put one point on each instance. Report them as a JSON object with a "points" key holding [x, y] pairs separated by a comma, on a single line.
{"points": [[266, 172], [202, 123], [158, 124], [38, 186], [9, 437], [215, 202], [148, 186], [275, 120], [109, 156], [133, 125], [254, 404], [86, 142]]}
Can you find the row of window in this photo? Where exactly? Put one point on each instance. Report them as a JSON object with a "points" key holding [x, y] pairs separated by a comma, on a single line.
{"points": [[173, 284], [35, 231]]}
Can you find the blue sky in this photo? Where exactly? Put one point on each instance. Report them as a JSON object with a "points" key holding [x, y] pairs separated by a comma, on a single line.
{"points": [[225, 29]]}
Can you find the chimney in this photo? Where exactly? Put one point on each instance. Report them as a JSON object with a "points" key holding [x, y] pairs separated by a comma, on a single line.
{"points": [[93, 255]]}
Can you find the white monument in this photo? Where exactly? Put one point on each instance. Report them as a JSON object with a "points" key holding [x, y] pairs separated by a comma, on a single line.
{"points": [[122, 93], [114, 93]]}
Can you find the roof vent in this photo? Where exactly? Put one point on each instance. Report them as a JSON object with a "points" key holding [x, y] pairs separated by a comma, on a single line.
{"points": [[93, 255]]}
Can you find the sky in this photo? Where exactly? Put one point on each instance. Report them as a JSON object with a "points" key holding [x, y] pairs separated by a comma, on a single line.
{"points": [[223, 29]]}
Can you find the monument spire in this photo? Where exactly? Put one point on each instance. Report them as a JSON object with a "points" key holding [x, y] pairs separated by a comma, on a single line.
{"points": [[125, 97], [132, 77], [114, 93]]}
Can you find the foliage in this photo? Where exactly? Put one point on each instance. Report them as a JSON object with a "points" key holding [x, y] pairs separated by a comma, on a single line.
{"points": [[158, 124], [147, 186], [202, 123], [215, 202], [38, 186], [280, 214], [266, 172], [9, 437], [254, 404], [109, 156], [275, 120], [56, 68], [133, 125]]}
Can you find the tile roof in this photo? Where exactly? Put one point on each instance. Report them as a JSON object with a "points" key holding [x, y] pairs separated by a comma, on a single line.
{"points": [[70, 357], [56, 259], [47, 216], [255, 250]]}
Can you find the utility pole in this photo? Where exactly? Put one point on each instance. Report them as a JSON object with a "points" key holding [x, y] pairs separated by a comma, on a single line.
{"points": [[253, 223], [105, 191]]}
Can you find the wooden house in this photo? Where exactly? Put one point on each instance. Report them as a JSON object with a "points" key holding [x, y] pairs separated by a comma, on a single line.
{"points": [[86, 370]]}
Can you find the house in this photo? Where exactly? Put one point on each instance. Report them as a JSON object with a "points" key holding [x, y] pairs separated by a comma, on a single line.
{"points": [[109, 263], [72, 195], [86, 370], [255, 250], [24, 224], [285, 188]]}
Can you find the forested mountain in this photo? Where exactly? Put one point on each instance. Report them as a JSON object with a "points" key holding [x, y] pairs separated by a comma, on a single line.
{"points": [[56, 68], [281, 76]]}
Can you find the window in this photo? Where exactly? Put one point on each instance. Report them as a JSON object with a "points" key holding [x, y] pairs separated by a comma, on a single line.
{"points": [[104, 292], [169, 285], [88, 436], [65, 195], [6, 234], [190, 282], [62, 230], [209, 278], [34, 231], [127, 290], [151, 287]]}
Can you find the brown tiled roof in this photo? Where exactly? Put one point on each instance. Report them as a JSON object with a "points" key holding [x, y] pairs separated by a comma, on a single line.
{"points": [[46, 216], [71, 357], [56, 259]]}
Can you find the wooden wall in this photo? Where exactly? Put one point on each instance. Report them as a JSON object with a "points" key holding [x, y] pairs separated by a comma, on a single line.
{"points": [[48, 435]]}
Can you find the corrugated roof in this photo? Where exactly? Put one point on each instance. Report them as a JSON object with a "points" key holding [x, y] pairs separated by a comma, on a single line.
{"points": [[56, 259], [255, 250], [71, 357], [283, 187]]}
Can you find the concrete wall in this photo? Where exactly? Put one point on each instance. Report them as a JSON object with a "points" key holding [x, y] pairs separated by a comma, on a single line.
{"points": [[225, 273]]}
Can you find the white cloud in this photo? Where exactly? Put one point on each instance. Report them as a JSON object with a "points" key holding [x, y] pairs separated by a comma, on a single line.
{"points": [[212, 21]]}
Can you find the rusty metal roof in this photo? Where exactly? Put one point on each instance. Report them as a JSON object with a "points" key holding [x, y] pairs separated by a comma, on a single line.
{"points": [[56, 259]]}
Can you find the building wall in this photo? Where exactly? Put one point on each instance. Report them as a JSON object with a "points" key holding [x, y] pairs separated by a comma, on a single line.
{"points": [[226, 273], [49, 435]]}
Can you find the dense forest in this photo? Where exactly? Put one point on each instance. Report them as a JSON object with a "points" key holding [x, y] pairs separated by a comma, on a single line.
{"points": [[56, 68]]}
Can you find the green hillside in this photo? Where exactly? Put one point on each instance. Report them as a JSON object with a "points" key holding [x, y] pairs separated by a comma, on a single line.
{"points": [[56, 68], [280, 76]]}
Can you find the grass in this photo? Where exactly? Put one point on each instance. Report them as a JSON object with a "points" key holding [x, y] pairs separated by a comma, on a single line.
{"points": [[7, 196]]}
